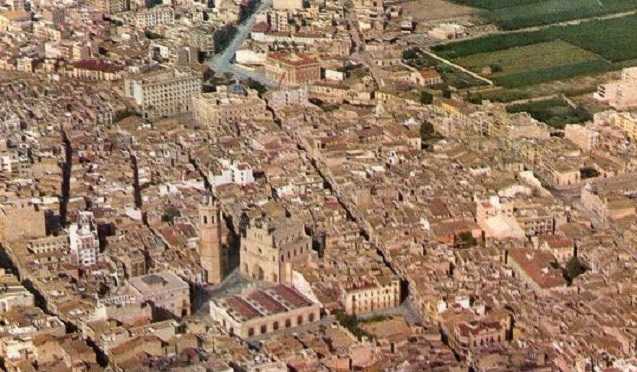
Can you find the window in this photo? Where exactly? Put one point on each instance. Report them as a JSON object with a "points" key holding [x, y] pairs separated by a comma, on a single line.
{"points": [[250, 332], [275, 325], [288, 323], [264, 329], [311, 317], [299, 320]]}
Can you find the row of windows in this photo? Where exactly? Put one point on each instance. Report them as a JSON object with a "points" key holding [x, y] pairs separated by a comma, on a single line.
{"points": [[291, 254], [276, 326]]}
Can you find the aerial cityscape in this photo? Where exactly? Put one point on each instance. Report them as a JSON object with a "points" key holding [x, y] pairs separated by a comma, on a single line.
{"points": [[318, 185]]}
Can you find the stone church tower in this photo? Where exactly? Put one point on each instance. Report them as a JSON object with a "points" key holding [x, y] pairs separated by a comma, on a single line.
{"points": [[213, 247]]}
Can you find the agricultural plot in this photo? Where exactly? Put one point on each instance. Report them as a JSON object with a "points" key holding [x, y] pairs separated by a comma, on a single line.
{"points": [[557, 52], [450, 75], [516, 14], [535, 63], [495, 4], [530, 57], [554, 112]]}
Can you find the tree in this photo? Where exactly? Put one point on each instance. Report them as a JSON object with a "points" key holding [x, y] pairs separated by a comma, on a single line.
{"points": [[495, 67], [588, 172], [351, 323], [253, 84], [410, 54], [170, 213], [573, 269], [426, 98], [427, 131], [466, 239], [152, 35]]}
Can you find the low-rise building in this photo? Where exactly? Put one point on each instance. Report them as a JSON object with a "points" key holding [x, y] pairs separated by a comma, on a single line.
{"points": [[536, 269], [12, 293], [367, 296], [21, 220], [621, 94], [611, 199], [165, 290], [228, 104], [290, 69], [91, 69], [262, 311], [585, 138]]}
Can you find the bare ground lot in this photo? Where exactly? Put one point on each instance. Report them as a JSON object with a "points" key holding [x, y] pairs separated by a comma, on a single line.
{"points": [[433, 10]]}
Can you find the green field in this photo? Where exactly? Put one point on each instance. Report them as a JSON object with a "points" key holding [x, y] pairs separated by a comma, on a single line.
{"points": [[450, 75], [529, 57], [495, 4], [554, 112], [613, 39], [516, 14], [535, 63], [554, 53]]}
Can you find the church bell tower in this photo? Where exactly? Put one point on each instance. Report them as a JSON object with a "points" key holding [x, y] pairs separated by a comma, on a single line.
{"points": [[211, 245]]}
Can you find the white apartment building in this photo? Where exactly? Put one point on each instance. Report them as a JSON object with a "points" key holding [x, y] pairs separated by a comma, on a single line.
{"points": [[232, 172], [83, 240], [163, 93], [162, 15]]}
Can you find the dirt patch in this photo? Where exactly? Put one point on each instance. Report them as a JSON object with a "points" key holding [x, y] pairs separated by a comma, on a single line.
{"points": [[432, 10]]}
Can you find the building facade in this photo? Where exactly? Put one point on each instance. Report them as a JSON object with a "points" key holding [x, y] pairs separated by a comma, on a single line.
{"points": [[263, 311], [288, 4], [163, 93], [12, 293], [83, 241], [621, 94], [164, 290], [291, 69], [149, 18], [268, 250], [369, 297], [228, 104]]}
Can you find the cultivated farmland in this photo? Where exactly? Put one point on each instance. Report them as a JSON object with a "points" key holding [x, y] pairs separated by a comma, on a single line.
{"points": [[557, 52], [529, 57], [613, 39], [535, 63], [516, 14]]}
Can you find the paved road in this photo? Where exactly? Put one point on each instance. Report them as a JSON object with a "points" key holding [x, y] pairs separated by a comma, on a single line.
{"points": [[222, 62]]}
